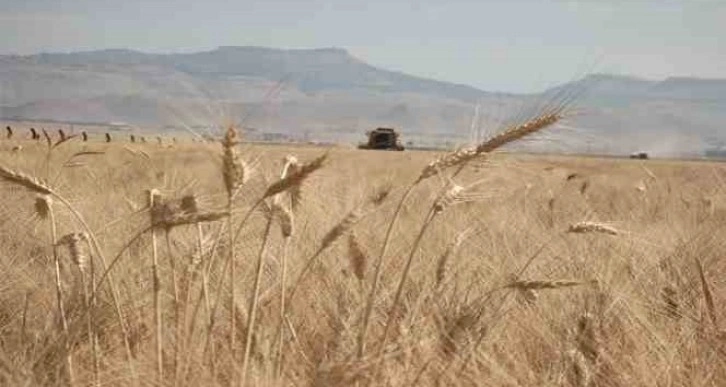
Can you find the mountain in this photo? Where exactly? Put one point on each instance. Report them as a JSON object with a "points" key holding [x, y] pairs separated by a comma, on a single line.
{"points": [[329, 95], [674, 116]]}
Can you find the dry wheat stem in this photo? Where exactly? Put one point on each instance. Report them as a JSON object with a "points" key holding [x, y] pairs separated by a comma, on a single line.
{"points": [[175, 304], [370, 300], [451, 250], [197, 270], [345, 225], [217, 300], [280, 329], [285, 217], [85, 262], [233, 296], [45, 207], [399, 290], [226, 264], [189, 204], [252, 312], [154, 202], [707, 295]]}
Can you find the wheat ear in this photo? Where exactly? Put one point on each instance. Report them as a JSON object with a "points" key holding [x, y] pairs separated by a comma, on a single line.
{"points": [[592, 227], [358, 257], [26, 181], [460, 157], [296, 178]]}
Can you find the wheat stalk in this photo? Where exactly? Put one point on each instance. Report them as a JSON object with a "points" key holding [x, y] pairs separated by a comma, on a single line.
{"points": [[44, 210], [80, 257], [190, 205], [451, 195], [451, 250], [175, 301], [157, 213], [286, 220], [592, 227], [707, 295], [341, 228], [252, 311]]}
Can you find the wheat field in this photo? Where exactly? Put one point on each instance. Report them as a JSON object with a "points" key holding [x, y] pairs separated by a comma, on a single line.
{"points": [[350, 267]]}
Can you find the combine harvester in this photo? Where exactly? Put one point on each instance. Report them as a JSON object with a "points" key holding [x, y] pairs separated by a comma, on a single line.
{"points": [[383, 139]]}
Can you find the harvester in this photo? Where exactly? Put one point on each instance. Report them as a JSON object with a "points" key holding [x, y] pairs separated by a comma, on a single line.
{"points": [[384, 139]]}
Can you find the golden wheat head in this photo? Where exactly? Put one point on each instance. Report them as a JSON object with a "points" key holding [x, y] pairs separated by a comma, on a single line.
{"points": [[297, 178], [24, 180]]}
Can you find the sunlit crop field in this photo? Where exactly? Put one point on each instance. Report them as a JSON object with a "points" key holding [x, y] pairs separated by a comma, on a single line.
{"points": [[508, 270]]}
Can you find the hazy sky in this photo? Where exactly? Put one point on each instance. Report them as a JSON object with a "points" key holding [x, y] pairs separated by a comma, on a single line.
{"points": [[514, 45]]}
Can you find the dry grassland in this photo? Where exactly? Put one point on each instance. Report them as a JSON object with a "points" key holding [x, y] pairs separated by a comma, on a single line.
{"points": [[531, 271]]}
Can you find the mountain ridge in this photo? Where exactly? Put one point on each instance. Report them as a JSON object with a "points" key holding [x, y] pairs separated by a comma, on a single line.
{"points": [[328, 91]]}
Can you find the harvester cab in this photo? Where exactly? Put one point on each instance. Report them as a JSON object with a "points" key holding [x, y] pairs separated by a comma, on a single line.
{"points": [[383, 138]]}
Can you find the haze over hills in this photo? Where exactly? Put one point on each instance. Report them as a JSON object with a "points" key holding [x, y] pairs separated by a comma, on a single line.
{"points": [[329, 95]]}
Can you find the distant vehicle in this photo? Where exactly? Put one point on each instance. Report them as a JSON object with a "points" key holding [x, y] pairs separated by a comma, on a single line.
{"points": [[639, 156], [383, 138]]}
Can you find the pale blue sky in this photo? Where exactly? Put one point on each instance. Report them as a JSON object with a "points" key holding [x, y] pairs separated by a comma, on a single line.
{"points": [[516, 45]]}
